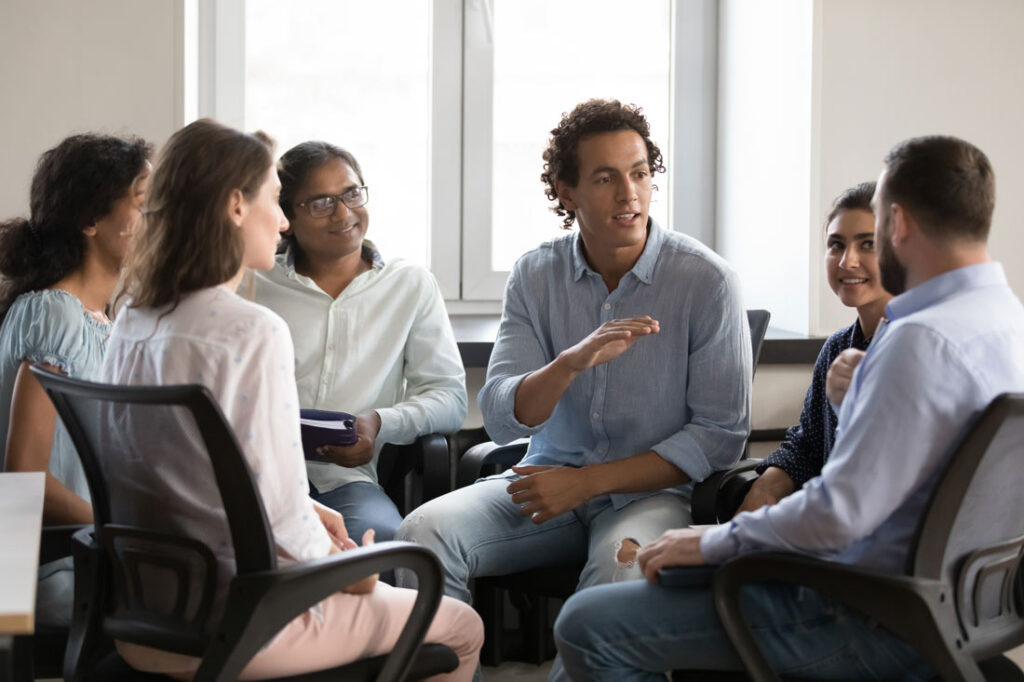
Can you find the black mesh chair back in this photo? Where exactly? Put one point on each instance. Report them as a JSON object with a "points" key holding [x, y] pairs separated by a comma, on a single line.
{"points": [[166, 577], [972, 537], [202, 582]]}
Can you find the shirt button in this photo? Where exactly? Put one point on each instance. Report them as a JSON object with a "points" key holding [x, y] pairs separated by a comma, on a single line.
{"points": [[596, 415], [607, 306]]}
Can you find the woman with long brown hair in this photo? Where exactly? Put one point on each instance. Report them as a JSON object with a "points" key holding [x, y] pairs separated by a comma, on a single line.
{"points": [[213, 212]]}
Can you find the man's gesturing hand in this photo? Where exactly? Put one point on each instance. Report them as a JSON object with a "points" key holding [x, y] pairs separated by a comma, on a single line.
{"points": [[837, 381], [608, 342], [544, 492], [675, 547]]}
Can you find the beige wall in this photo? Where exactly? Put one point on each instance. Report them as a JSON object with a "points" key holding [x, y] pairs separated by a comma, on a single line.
{"points": [[813, 93], [889, 70], [74, 66]]}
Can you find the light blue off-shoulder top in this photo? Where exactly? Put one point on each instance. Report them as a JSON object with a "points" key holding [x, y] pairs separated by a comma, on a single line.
{"points": [[53, 327]]}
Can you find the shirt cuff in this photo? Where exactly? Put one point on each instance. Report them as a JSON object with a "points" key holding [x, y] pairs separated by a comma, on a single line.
{"points": [[498, 405], [389, 425], [682, 451], [718, 545]]}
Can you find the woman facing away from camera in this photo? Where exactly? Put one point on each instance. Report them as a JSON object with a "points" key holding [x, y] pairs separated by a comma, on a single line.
{"points": [[851, 266], [60, 267], [213, 212], [371, 337]]}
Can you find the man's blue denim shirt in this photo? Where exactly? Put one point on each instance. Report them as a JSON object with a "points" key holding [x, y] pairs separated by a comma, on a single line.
{"points": [[684, 392]]}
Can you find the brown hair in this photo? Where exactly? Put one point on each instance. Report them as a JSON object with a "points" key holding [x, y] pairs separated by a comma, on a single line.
{"points": [[946, 183], [187, 241], [857, 198], [75, 184], [561, 161]]}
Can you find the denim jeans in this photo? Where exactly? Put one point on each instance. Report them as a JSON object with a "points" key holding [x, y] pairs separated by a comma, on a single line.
{"points": [[638, 631], [364, 505], [478, 531]]}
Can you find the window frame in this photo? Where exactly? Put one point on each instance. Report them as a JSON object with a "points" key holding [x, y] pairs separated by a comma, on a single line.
{"points": [[461, 149]]}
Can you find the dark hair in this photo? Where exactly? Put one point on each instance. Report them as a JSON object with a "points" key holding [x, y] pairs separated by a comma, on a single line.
{"points": [[946, 183], [295, 166], [187, 241], [561, 161], [856, 198], [75, 184]]}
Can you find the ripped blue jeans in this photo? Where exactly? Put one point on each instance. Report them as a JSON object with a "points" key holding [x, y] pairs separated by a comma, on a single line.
{"points": [[478, 531]]}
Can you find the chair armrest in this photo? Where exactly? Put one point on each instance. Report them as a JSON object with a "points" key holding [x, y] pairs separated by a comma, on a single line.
{"points": [[260, 604], [428, 456], [56, 542], [918, 610], [717, 497], [435, 466], [473, 461]]}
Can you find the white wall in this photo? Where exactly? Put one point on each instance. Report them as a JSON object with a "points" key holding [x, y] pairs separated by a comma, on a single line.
{"points": [[72, 66], [890, 70], [813, 93]]}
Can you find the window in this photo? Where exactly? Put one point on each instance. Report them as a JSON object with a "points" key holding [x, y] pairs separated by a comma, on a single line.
{"points": [[448, 105]]}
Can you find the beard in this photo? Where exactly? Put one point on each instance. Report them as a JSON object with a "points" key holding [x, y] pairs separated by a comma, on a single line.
{"points": [[891, 271]]}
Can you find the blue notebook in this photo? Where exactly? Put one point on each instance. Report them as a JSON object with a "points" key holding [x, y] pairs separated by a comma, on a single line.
{"points": [[324, 427]]}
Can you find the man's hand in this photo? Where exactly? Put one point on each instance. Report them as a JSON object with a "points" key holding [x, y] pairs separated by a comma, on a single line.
{"points": [[360, 452], [676, 547], [544, 492], [837, 381], [769, 488], [608, 342]]}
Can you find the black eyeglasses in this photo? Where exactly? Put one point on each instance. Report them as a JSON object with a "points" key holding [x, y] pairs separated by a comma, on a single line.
{"points": [[321, 207]]}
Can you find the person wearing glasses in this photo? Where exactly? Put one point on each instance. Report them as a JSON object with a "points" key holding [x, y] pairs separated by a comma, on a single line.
{"points": [[372, 337]]}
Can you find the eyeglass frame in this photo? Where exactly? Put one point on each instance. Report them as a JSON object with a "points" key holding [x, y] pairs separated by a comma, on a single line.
{"points": [[363, 193]]}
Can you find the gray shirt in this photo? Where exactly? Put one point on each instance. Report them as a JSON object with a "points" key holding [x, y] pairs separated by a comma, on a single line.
{"points": [[684, 392]]}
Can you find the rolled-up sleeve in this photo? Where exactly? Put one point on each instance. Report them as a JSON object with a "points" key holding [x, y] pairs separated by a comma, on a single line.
{"points": [[850, 500], [717, 386], [517, 353]]}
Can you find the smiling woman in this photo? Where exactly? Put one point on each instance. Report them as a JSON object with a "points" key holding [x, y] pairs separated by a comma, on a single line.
{"points": [[851, 266]]}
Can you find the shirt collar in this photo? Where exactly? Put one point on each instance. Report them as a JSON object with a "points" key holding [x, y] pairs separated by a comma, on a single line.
{"points": [[943, 286], [644, 266], [286, 258]]}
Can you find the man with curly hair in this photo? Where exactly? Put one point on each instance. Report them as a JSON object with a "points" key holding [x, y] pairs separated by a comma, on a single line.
{"points": [[623, 352]]}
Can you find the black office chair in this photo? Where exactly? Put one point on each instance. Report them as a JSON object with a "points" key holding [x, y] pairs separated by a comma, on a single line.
{"points": [[960, 601], [416, 473], [530, 590], [112, 557]]}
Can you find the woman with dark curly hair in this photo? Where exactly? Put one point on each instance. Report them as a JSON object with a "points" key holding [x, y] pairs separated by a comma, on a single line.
{"points": [[60, 267]]}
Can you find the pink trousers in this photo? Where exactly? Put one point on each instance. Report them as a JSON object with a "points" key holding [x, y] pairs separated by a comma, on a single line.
{"points": [[341, 629]]}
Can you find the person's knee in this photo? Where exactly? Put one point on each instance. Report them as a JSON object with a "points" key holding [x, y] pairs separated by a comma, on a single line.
{"points": [[573, 627], [423, 525]]}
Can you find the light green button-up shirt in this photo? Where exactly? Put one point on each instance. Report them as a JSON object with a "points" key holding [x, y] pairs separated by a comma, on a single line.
{"points": [[385, 343]]}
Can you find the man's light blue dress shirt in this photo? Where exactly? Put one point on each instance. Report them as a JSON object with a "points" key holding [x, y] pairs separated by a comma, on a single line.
{"points": [[951, 346], [684, 392]]}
